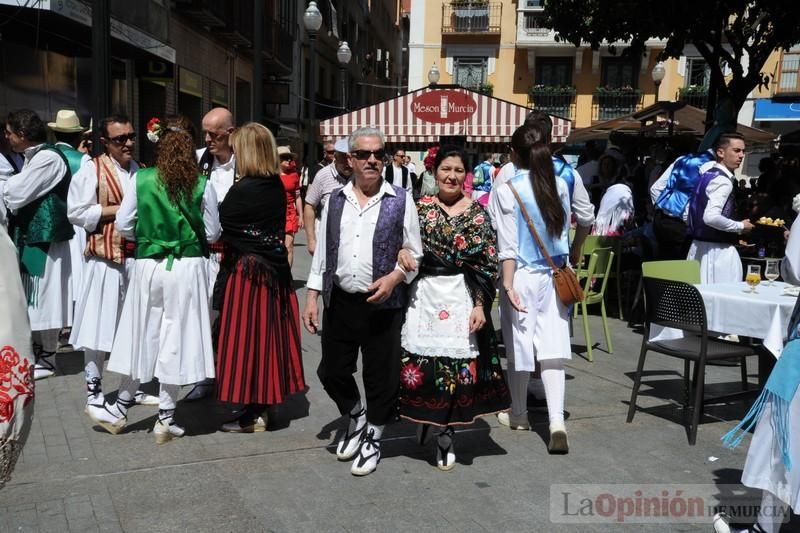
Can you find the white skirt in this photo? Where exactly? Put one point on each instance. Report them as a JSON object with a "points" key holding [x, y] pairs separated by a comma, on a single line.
{"points": [[764, 468], [98, 307], [437, 319], [77, 244], [543, 332], [53, 306], [719, 262], [164, 330]]}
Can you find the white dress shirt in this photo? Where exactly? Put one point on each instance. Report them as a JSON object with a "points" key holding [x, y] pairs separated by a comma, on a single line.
{"points": [[127, 214], [82, 207], [357, 230], [580, 204], [40, 174], [718, 190], [222, 174]]}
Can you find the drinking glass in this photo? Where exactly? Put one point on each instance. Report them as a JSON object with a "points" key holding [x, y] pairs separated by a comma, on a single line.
{"points": [[753, 277], [771, 271]]}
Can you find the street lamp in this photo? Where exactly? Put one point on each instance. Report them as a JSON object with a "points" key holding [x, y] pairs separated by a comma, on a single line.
{"points": [[658, 73], [433, 75], [312, 20], [343, 54]]}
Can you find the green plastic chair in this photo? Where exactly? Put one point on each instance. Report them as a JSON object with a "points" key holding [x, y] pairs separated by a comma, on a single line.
{"points": [[679, 270], [599, 269], [593, 242]]}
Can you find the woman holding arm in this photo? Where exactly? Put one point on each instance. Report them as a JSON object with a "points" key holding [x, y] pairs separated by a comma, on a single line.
{"points": [[450, 371], [534, 321]]}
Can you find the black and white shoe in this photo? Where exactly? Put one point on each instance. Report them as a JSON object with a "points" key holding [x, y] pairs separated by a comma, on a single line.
{"points": [[350, 443], [369, 455], [94, 394], [44, 367], [445, 450]]}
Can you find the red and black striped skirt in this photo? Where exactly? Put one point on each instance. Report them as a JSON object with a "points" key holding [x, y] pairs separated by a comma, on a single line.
{"points": [[258, 351]]}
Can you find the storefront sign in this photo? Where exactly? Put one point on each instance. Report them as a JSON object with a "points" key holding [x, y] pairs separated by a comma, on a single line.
{"points": [[443, 107]]}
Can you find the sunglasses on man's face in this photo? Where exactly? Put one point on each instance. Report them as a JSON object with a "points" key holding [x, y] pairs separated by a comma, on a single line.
{"points": [[122, 139], [363, 155]]}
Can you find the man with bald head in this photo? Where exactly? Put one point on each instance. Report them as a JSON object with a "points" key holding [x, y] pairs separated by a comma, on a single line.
{"points": [[219, 164]]}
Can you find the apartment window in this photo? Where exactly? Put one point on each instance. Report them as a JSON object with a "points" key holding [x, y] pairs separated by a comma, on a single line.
{"points": [[697, 72], [554, 72], [470, 72], [790, 68], [533, 23], [618, 72], [534, 4]]}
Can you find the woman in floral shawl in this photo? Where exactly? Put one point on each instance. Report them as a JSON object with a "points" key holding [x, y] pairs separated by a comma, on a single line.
{"points": [[450, 371], [16, 360]]}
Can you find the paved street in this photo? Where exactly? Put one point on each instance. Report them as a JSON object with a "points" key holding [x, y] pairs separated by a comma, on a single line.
{"points": [[75, 477]]}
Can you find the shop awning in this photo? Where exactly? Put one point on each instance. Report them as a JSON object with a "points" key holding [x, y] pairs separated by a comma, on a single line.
{"points": [[429, 113], [769, 109]]}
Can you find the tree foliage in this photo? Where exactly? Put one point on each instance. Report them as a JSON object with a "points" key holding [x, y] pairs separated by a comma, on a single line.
{"points": [[738, 33]]}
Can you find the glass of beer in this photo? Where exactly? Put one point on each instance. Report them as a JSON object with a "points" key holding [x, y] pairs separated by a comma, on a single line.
{"points": [[753, 277], [771, 271]]}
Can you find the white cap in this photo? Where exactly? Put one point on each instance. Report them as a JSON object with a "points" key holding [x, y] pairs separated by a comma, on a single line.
{"points": [[342, 146]]}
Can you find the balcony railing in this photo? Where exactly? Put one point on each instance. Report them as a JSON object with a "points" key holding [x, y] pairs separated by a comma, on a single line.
{"points": [[612, 103], [471, 16], [278, 44], [553, 100], [694, 96]]}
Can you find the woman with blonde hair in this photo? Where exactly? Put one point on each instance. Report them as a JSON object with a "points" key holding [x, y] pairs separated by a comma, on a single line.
{"points": [[165, 330], [258, 351]]}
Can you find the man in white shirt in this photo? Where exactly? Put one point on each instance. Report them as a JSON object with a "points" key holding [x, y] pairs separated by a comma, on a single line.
{"points": [[218, 162], [710, 225], [397, 173], [330, 178], [38, 193], [364, 226], [95, 194]]}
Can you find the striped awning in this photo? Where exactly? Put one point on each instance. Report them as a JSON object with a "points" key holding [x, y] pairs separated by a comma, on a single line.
{"points": [[420, 117]]}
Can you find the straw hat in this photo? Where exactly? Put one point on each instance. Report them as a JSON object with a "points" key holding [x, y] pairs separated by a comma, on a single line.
{"points": [[67, 121], [286, 150]]}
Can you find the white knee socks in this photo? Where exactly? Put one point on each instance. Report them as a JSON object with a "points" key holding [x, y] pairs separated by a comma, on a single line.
{"points": [[93, 361], [553, 377], [168, 396]]}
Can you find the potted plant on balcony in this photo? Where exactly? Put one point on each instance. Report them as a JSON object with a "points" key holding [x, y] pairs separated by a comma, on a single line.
{"points": [[626, 90], [551, 90], [485, 88]]}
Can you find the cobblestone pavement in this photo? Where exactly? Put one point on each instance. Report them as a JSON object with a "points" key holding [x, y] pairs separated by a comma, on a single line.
{"points": [[74, 477]]}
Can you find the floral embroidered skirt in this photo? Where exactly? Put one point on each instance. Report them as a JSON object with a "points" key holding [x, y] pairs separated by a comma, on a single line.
{"points": [[445, 379]]}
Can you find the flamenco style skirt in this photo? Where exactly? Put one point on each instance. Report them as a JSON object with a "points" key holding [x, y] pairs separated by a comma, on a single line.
{"points": [[448, 376], [258, 350]]}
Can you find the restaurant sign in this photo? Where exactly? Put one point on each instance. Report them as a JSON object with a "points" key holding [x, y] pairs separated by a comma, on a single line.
{"points": [[443, 107]]}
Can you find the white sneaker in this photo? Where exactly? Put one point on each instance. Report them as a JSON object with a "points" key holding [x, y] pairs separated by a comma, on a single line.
{"points": [[246, 426], [514, 422], [369, 455], [165, 431], [41, 372], [142, 398], [350, 443], [721, 523], [558, 439], [108, 417], [44, 367]]}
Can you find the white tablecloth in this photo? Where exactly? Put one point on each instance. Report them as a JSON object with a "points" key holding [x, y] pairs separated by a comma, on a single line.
{"points": [[730, 310]]}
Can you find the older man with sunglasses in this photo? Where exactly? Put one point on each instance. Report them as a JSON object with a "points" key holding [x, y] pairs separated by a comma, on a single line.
{"points": [[95, 194], [364, 225]]}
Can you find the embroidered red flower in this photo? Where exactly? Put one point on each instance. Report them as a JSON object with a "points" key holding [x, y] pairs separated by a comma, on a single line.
{"points": [[443, 314], [16, 379], [460, 241], [477, 239], [491, 251], [478, 219], [6, 407], [426, 200], [431, 215], [411, 375], [9, 358]]}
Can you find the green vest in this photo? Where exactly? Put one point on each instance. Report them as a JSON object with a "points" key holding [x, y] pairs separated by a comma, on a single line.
{"points": [[41, 222], [73, 156], [164, 229]]}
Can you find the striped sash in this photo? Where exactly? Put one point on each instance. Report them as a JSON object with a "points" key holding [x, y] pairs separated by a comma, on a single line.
{"points": [[105, 241]]}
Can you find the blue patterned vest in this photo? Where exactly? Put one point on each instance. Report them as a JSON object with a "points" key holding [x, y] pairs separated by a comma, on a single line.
{"points": [[564, 171], [697, 228], [528, 252], [682, 183], [386, 243]]}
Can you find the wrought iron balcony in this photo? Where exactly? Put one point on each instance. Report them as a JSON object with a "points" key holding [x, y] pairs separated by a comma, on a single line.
{"points": [[694, 95], [609, 103], [471, 16], [553, 100]]}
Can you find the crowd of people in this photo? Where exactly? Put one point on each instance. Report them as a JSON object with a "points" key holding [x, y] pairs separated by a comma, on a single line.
{"points": [[181, 271]]}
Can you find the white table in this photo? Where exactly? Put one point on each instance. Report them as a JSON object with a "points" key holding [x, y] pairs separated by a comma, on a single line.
{"points": [[764, 315]]}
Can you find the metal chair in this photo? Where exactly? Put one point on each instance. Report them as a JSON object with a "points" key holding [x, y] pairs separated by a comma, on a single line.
{"points": [[598, 270], [676, 304]]}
